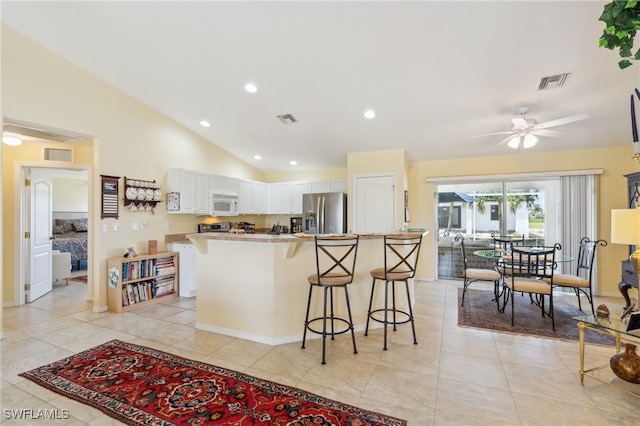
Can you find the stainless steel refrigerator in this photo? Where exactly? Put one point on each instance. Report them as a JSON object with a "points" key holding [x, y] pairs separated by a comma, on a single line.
{"points": [[325, 213]]}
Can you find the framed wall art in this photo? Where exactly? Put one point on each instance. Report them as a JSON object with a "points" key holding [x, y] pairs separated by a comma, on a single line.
{"points": [[109, 196]]}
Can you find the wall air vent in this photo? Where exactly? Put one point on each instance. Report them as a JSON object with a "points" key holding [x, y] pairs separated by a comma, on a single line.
{"points": [[553, 81], [287, 118]]}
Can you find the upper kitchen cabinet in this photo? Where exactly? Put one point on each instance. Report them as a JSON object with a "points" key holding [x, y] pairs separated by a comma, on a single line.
{"points": [[280, 198], [297, 189], [193, 189], [223, 183], [286, 197], [320, 186], [339, 185], [334, 185], [253, 197]]}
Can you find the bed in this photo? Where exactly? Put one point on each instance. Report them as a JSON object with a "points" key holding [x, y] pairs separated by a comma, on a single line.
{"points": [[70, 234]]}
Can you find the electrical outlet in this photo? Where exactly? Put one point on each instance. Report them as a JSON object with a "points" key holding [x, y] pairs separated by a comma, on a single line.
{"points": [[169, 225], [145, 225], [116, 227], [136, 226]]}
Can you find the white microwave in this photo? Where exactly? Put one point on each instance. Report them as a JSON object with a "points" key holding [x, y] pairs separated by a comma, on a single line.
{"points": [[223, 204]]}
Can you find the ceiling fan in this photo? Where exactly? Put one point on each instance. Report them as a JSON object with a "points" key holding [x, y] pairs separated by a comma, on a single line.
{"points": [[525, 131]]}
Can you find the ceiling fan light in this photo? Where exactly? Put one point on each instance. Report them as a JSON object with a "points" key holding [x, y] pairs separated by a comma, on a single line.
{"points": [[514, 142], [529, 141]]}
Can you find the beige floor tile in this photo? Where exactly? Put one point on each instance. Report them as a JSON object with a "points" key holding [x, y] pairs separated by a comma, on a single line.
{"points": [[453, 376], [460, 402]]}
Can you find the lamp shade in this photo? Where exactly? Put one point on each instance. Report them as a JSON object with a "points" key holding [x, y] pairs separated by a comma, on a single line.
{"points": [[625, 226]]}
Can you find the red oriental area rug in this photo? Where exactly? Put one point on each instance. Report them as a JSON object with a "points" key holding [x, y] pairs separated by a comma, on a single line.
{"points": [[143, 386]]}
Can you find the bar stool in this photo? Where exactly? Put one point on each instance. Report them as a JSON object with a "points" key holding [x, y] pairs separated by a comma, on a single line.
{"points": [[335, 263], [400, 259]]}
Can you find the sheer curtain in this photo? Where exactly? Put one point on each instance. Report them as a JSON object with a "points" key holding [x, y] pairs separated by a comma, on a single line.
{"points": [[578, 216]]}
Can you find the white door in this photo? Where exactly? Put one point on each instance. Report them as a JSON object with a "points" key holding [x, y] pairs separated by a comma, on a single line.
{"points": [[40, 274], [375, 204]]}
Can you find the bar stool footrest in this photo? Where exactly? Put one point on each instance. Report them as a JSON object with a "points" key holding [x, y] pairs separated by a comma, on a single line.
{"points": [[329, 333], [390, 315]]}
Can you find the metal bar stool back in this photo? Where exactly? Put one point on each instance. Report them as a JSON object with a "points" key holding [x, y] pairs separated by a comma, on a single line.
{"points": [[335, 265], [400, 259]]}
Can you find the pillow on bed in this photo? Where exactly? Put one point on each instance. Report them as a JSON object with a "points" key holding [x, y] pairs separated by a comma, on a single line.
{"points": [[81, 225], [66, 224], [58, 229]]}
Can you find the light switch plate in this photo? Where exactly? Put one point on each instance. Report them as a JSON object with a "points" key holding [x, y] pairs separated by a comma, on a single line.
{"points": [[105, 227], [135, 226], [116, 227]]}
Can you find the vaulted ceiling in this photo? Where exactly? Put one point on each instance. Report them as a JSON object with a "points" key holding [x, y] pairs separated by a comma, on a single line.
{"points": [[436, 73]]}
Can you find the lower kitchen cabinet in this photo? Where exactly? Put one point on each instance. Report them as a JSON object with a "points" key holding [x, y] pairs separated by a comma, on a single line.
{"points": [[187, 268]]}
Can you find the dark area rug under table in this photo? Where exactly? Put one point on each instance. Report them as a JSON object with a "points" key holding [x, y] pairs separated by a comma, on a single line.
{"points": [[143, 386], [480, 311]]}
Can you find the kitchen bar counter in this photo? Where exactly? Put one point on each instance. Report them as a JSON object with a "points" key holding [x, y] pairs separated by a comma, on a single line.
{"points": [[254, 286]]}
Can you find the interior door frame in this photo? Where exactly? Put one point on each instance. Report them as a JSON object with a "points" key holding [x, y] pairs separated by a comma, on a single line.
{"points": [[22, 261]]}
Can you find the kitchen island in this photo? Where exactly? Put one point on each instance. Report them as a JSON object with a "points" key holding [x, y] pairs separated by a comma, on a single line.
{"points": [[254, 286]]}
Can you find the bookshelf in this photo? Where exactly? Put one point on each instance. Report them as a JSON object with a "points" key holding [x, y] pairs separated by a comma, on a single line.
{"points": [[140, 280]]}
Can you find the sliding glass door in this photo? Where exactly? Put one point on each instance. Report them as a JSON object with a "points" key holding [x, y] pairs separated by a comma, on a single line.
{"points": [[476, 210]]}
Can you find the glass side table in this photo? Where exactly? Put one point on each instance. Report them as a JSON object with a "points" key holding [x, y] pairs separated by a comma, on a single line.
{"points": [[603, 373]]}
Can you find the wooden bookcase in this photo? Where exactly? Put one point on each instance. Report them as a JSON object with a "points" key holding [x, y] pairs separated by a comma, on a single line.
{"points": [[140, 280]]}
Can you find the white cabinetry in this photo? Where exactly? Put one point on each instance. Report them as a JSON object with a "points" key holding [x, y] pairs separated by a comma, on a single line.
{"points": [[297, 189], [253, 197], [261, 193], [280, 198], [320, 186], [286, 197], [339, 185], [188, 184], [201, 191], [223, 183], [333, 185], [186, 268]]}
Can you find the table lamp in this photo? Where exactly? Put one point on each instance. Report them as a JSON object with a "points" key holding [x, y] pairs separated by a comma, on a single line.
{"points": [[625, 229]]}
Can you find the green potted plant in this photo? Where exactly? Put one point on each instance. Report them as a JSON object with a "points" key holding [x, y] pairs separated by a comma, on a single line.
{"points": [[622, 19]]}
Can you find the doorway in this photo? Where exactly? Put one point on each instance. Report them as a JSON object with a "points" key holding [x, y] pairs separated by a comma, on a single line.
{"points": [[56, 216]]}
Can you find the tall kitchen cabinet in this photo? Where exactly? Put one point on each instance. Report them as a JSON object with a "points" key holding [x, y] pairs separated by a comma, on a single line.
{"points": [[193, 188], [140, 280]]}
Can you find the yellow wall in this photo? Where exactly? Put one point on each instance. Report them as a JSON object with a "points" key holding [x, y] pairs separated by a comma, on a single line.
{"points": [[613, 194], [392, 161], [131, 140], [69, 195]]}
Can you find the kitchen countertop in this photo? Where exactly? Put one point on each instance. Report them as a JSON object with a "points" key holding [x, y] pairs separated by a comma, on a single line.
{"points": [[269, 238]]}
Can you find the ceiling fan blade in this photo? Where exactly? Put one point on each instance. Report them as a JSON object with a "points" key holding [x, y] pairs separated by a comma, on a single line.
{"points": [[519, 122], [561, 121], [493, 134], [544, 132]]}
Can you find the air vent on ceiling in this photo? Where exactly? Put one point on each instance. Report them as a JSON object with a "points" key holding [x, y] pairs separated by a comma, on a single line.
{"points": [[287, 118], [553, 81]]}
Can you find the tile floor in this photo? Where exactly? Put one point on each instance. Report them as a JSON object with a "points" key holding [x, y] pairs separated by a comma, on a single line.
{"points": [[453, 376]]}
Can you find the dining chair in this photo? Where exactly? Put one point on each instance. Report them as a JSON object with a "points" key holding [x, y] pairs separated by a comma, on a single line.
{"points": [[472, 275], [334, 268], [503, 244], [531, 270], [582, 281]]}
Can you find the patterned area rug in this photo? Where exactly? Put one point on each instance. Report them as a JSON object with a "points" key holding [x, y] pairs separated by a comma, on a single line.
{"points": [[142, 386], [479, 311], [80, 279]]}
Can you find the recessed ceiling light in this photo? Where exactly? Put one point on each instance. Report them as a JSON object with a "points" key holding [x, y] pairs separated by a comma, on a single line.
{"points": [[257, 157], [293, 162], [369, 113], [250, 87], [205, 123]]}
